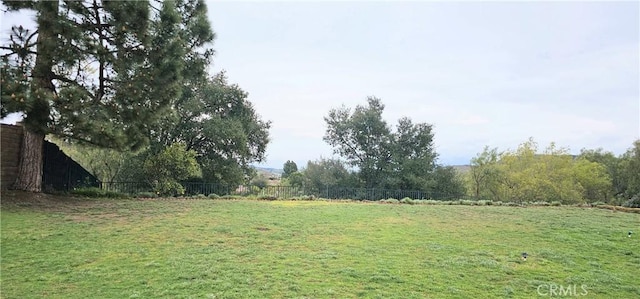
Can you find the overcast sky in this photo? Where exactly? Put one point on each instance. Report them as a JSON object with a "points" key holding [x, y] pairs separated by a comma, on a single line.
{"points": [[483, 73]]}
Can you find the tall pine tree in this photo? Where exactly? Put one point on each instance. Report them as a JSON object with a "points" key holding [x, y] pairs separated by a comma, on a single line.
{"points": [[101, 72]]}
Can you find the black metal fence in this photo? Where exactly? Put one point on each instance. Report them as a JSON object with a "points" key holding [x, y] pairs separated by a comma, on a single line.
{"points": [[132, 188], [377, 194], [281, 192]]}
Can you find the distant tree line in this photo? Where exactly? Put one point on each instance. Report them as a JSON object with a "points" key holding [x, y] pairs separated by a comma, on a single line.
{"points": [[553, 174], [377, 155]]}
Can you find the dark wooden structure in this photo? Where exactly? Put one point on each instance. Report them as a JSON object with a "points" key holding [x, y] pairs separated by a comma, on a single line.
{"points": [[60, 172]]}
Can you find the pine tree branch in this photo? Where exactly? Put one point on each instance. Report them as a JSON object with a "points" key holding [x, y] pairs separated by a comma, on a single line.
{"points": [[71, 136], [13, 51], [54, 76], [157, 9], [109, 80], [96, 28], [32, 35]]}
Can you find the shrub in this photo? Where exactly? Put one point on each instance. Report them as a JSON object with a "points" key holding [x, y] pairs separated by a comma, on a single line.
{"points": [[304, 197], [260, 181], [199, 196], [634, 202], [407, 200], [466, 202], [173, 164], [146, 195], [168, 187], [97, 193], [213, 196], [267, 197], [618, 201], [540, 203]]}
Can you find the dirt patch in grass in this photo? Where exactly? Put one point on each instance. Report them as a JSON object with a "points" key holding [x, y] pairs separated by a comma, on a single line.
{"points": [[91, 210], [9, 197], [12, 199], [620, 209]]}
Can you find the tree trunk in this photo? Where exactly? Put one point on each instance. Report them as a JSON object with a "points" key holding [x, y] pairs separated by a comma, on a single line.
{"points": [[42, 90], [30, 165]]}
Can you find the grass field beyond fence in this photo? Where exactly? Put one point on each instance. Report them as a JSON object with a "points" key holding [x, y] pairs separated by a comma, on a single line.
{"points": [[69, 248]]}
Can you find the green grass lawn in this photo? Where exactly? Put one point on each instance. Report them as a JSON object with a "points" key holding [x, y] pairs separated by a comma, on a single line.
{"points": [[283, 249]]}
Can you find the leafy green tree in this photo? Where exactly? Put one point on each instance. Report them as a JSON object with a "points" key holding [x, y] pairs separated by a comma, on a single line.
{"points": [[168, 168], [363, 138], [260, 181], [594, 179], [517, 167], [623, 170], [101, 72], [630, 168], [133, 168], [612, 164], [413, 158], [385, 159], [484, 174], [560, 182], [448, 182], [218, 122], [289, 168], [527, 174], [296, 179], [324, 173]]}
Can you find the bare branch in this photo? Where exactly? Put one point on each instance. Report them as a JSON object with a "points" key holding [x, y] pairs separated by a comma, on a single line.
{"points": [[30, 37]]}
